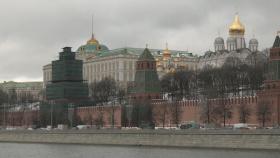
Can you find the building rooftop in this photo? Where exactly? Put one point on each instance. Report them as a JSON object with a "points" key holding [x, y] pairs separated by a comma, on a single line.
{"points": [[20, 85], [138, 51]]}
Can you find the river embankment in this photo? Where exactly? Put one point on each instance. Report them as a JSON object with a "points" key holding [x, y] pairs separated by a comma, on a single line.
{"points": [[269, 140]]}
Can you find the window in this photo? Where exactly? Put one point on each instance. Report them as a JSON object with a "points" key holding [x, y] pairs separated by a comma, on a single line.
{"points": [[124, 65], [130, 65]]}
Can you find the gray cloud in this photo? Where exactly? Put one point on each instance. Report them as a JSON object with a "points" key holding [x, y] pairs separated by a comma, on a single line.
{"points": [[33, 31]]}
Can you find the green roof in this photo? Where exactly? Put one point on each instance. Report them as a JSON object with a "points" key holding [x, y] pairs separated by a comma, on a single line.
{"points": [[139, 51], [146, 55], [90, 48], [276, 43], [21, 85]]}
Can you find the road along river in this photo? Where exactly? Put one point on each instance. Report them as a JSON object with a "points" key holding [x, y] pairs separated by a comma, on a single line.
{"points": [[32, 150]]}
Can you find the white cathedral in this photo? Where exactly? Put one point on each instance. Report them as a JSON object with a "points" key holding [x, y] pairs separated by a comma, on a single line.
{"points": [[235, 48]]}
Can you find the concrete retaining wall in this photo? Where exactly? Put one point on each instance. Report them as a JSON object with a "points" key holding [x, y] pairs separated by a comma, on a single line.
{"points": [[165, 139]]}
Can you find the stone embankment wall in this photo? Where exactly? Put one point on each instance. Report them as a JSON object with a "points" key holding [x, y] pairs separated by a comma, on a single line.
{"points": [[231, 140]]}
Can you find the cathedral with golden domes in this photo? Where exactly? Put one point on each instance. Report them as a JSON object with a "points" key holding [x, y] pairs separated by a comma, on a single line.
{"points": [[235, 49]]}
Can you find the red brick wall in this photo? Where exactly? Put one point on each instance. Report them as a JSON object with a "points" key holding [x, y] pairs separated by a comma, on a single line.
{"points": [[191, 110], [88, 115], [21, 118]]}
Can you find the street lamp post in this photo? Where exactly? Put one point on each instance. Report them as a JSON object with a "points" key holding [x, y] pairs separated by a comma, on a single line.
{"points": [[70, 113], [4, 119], [113, 114], [51, 114]]}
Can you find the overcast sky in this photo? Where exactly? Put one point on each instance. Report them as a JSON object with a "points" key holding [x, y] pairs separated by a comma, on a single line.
{"points": [[32, 32]]}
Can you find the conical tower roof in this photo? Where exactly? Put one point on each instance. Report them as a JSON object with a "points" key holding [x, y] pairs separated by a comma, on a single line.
{"points": [[276, 43], [146, 55]]}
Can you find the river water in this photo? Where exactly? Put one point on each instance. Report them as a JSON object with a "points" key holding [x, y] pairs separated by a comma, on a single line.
{"points": [[15, 150]]}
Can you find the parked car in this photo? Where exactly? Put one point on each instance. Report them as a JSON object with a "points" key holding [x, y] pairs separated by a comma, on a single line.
{"points": [[80, 127], [240, 126], [189, 125], [145, 125]]}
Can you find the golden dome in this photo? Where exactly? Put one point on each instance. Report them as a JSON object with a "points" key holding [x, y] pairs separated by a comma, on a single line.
{"points": [[166, 53], [236, 26], [93, 41]]}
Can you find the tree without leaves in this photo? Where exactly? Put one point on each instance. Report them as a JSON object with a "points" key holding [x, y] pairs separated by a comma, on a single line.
{"points": [[121, 94], [223, 111], [3, 101], [124, 117], [26, 97], [181, 82], [206, 82], [103, 90], [3, 97], [244, 113], [176, 113], [12, 96], [76, 118], [167, 85], [99, 120], [234, 78], [162, 113], [44, 114], [207, 112], [264, 111], [88, 118], [256, 77]]}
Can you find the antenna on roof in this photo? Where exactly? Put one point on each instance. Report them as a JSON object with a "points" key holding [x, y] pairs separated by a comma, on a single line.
{"points": [[166, 45], [219, 33], [92, 26], [146, 45], [236, 9], [125, 45]]}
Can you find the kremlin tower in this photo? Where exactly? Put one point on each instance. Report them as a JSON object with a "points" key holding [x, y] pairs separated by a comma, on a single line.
{"points": [[146, 84], [270, 92]]}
